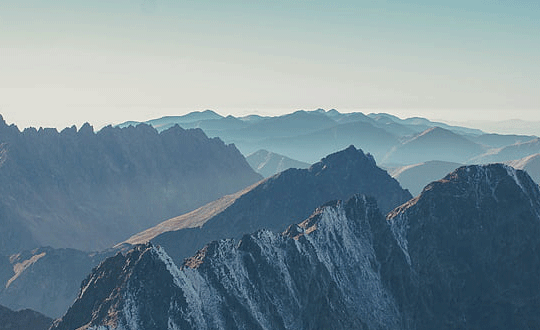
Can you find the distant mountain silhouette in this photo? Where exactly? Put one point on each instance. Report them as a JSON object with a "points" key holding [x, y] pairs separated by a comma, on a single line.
{"points": [[530, 164], [415, 177], [269, 163], [500, 140], [87, 190], [435, 143], [310, 135], [511, 152]]}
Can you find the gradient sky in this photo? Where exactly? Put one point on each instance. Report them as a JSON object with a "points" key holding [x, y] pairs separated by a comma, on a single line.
{"points": [[65, 62]]}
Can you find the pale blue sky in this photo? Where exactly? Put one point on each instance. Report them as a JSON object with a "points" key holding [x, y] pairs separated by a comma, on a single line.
{"points": [[67, 62]]}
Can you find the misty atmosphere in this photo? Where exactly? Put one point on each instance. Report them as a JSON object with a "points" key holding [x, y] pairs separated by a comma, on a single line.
{"points": [[269, 165]]}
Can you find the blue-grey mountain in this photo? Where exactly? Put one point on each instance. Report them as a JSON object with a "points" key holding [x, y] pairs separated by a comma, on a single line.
{"points": [[45, 279], [268, 163], [88, 190], [272, 203], [415, 177], [23, 320], [307, 135], [462, 255]]}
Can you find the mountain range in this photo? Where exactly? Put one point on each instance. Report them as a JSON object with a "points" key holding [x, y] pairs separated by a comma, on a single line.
{"points": [[461, 255], [47, 279], [272, 202], [89, 190]]}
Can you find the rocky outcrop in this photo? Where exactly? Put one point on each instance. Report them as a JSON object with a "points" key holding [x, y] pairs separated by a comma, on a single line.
{"points": [[320, 274], [89, 190], [462, 255]]}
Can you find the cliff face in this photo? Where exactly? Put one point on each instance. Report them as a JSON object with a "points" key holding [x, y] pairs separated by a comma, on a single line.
{"points": [[323, 273], [88, 190], [462, 255], [473, 241]]}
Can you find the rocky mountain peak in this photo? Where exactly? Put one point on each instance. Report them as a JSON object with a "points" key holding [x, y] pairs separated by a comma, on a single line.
{"points": [[345, 159]]}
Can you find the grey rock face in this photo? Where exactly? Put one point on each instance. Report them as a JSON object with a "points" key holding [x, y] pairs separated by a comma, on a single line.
{"points": [[323, 273], [473, 240], [462, 255], [87, 190]]}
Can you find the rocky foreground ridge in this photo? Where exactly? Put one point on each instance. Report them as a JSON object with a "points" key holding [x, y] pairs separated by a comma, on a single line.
{"points": [[464, 254]]}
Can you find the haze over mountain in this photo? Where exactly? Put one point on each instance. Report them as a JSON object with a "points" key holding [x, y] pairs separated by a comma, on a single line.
{"points": [[433, 144], [530, 164], [268, 163], [462, 255], [271, 203], [307, 135], [88, 190], [510, 152], [415, 177], [45, 279]]}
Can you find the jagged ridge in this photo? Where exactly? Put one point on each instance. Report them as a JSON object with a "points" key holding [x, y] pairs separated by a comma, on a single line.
{"points": [[462, 255], [87, 190]]}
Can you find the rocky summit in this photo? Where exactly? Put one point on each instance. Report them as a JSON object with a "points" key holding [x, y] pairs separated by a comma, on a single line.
{"points": [[464, 254]]}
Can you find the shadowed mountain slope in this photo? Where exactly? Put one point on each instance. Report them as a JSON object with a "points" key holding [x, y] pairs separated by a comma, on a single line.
{"points": [[23, 320], [46, 279], [271, 203], [511, 152], [434, 144]]}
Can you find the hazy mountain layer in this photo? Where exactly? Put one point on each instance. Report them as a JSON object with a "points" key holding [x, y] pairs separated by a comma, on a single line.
{"points": [[530, 164], [307, 135], [510, 152], [434, 144], [415, 177], [462, 255], [46, 279], [269, 163], [89, 190]]}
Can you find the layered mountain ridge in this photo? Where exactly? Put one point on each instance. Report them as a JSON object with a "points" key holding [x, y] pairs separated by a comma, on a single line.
{"points": [[464, 254], [88, 190], [264, 281], [271, 203]]}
